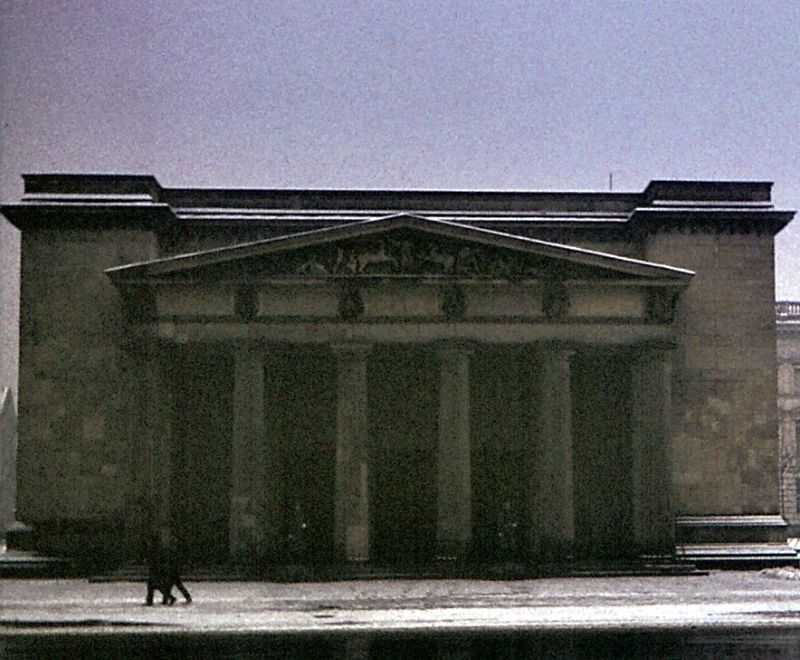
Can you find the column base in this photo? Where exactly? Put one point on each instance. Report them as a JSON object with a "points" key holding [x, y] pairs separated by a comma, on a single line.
{"points": [[357, 548], [248, 544], [19, 536], [554, 550]]}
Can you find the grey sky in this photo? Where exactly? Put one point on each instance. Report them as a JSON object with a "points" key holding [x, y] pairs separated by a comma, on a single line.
{"points": [[440, 94]]}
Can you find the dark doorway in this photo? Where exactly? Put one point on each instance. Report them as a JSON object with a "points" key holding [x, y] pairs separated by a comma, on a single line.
{"points": [[500, 419], [203, 390], [403, 409], [300, 393], [602, 453]]}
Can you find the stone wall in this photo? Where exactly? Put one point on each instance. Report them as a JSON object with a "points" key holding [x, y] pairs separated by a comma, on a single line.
{"points": [[77, 384], [724, 448]]}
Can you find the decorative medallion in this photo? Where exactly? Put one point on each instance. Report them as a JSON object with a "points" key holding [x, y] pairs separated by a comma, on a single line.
{"points": [[555, 300], [351, 304], [245, 303], [454, 303], [661, 305]]}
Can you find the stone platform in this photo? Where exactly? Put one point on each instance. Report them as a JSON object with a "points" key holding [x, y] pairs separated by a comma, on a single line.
{"points": [[24, 564], [720, 600]]}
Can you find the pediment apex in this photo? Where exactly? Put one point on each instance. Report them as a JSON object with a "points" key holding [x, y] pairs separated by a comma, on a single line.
{"points": [[395, 230]]}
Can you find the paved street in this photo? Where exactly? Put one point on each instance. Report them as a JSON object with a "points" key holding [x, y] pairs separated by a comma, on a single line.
{"points": [[719, 600]]}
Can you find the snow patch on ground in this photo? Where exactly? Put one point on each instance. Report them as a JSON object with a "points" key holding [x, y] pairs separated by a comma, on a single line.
{"points": [[783, 573]]}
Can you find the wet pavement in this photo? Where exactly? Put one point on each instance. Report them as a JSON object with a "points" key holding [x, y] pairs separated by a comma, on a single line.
{"points": [[742, 601]]}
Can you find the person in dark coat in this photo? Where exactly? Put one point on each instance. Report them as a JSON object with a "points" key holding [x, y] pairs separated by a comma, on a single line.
{"points": [[174, 573], [163, 572]]}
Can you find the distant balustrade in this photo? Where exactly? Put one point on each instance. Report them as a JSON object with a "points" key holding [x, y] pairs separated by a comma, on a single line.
{"points": [[787, 309]]}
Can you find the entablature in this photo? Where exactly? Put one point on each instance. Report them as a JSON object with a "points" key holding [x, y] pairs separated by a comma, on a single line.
{"points": [[403, 269]]}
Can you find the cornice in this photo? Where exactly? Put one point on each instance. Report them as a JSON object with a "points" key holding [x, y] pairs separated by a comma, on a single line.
{"points": [[26, 217], [718, 220], [98, 200]]}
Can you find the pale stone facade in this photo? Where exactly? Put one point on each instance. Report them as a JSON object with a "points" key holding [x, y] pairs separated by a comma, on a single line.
{"points": [[9, 305], [397, 377], [788, 324]]}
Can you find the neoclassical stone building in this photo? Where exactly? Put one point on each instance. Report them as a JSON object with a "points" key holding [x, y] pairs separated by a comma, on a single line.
{"points": [[788, 323], [398, 377]]}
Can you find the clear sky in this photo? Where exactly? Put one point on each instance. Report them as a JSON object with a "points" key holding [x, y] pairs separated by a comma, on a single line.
{"points": [[440, 94]]}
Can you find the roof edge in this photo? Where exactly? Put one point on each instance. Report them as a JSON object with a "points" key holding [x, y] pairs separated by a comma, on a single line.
{"points": [[708, 190], [78, 186]]}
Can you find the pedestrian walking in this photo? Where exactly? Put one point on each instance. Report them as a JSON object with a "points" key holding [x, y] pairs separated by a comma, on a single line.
{"points": [[163, 572]]}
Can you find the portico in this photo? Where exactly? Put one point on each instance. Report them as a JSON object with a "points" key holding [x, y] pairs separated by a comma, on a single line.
{"points": [[418, 378]]}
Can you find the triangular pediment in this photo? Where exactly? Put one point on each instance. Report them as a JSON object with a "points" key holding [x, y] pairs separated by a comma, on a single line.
{"points": [[400, 246]]}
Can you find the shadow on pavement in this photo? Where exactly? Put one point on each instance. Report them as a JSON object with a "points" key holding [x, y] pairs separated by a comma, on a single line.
{"points": [[657, 644]]}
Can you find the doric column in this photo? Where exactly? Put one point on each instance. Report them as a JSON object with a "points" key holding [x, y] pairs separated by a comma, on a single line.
{"points": [[552, 528], [158, 417], [351, 510], [454, 493], [653, 519], [248, 525]]}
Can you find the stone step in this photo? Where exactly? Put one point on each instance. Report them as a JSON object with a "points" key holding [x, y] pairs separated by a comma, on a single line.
{"points": [[739, 555], [23, 564], [436, 570]]}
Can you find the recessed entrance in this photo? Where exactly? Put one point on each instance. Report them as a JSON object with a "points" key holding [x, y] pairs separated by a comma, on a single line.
{"points": [[500, 417], [601, 422], [300, 409], [201, 469]]}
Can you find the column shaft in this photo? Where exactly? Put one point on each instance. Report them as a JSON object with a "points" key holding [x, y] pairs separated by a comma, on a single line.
{"points": [[653, 520], [454, 494], [552, 532], [247, 516], [351, 511]]}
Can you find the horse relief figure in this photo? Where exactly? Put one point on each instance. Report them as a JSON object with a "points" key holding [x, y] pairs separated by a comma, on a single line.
{"points": [[346, 262], [444, 260], [468, 263], [500, 268], [377, 260], [408, 260], [312, 266]]}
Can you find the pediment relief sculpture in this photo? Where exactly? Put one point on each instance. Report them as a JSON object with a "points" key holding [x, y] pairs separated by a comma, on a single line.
{"points": [[408, 256]]}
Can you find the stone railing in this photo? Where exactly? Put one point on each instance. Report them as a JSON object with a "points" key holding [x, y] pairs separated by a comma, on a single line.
{"points": [[787, 309]]}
